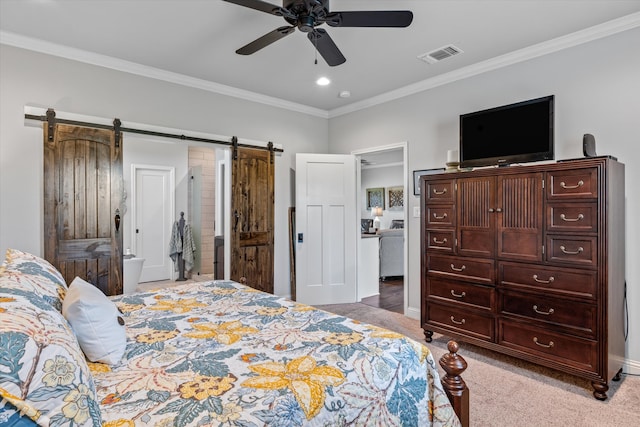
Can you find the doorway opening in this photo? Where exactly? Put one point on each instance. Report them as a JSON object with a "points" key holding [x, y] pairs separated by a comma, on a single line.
{"points": [[175, 178], [382, 171]]}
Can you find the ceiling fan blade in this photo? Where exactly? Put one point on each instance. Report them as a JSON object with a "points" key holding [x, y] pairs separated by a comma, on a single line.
{"points": [[265, 40], [326, 47], [260, 5], [373, 18]]}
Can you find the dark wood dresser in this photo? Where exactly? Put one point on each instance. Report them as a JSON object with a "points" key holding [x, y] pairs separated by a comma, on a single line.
{"points": [[529, 261]]}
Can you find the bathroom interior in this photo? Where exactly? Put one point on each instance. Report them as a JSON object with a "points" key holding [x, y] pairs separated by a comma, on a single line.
{"points": [[162, 179]]}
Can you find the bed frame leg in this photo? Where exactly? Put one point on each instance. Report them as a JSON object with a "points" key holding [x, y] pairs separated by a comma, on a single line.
{"points": [[454, 365]]}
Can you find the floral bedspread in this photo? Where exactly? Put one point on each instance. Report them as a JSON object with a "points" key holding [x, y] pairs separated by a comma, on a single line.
{"points": [[222, 354]]}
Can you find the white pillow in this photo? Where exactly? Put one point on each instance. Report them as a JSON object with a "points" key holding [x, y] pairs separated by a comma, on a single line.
{"points": [[94, 319]]}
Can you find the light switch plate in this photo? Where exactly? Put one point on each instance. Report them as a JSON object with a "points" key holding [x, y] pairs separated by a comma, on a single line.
{"points": [[416, 211]]}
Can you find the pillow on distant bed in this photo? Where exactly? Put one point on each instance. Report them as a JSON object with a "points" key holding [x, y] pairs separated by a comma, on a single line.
{"points": [[96, 321], [36, 274], [44, 374]]}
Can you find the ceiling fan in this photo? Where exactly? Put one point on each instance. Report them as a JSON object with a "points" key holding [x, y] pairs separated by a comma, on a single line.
{"points": [[307, 15]]}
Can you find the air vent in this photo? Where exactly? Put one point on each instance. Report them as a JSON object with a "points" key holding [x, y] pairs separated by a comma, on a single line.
{"points": [[440, 54]]}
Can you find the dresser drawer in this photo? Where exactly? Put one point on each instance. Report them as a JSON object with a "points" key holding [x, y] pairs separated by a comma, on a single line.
{"points": [[461, 320], [555, 280], [561, 349], [440, 216], [573, 183], [574, 250], [464, 293], [579, 316], [440, 191], [475, 269], [440, 240], [572, 217]]}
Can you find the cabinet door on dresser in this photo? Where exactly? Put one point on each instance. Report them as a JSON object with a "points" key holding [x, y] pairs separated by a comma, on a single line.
{"points": [[501, 216], [519, 210], [476, 206]]}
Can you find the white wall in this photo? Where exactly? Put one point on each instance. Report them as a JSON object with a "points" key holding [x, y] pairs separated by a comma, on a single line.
{"points": [[388, 176], [29, 78], [597, 91]]}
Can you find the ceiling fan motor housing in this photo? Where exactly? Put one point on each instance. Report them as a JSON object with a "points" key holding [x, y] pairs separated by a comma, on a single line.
{"points": [[305, 13], [305, 4]]}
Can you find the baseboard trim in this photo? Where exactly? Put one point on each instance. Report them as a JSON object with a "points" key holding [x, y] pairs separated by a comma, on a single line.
{"points": [[631, 367], [413, 313]]}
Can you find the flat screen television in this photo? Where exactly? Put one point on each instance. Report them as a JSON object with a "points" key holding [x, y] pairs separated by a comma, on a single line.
{"points": [[514, 133]]}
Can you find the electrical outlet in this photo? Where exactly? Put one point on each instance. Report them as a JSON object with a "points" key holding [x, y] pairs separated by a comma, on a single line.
{"points": [[416, 211]]}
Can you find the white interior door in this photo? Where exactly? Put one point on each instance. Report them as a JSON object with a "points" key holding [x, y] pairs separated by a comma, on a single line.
{"points": [[152, 219], [326, 229]]}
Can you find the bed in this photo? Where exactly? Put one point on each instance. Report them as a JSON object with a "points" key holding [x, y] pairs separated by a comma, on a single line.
{"points": [[209, 353]]}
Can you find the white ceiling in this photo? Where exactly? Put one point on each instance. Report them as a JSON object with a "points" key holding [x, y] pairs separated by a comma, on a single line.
{"points": [[194, 42]]}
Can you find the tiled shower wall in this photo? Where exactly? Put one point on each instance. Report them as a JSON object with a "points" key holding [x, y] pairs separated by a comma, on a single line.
{"points": [[205, 158]]}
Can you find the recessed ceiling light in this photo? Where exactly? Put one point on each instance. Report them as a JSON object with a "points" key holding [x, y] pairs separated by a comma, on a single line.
{"points": [[344, 94], [323, 81]]}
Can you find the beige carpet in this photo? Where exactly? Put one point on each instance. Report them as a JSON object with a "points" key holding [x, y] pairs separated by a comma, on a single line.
{"points": [[507, 392]]}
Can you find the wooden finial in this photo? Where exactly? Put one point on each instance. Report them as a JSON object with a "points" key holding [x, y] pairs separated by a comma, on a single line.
{"points": [[454, 365]]}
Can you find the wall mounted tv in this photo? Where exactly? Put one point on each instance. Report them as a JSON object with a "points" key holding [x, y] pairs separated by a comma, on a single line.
{"points": [[514, 133]]}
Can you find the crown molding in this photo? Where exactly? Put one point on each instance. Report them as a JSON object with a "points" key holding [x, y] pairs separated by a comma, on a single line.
{"points": [[43, 46], [614, 26]]}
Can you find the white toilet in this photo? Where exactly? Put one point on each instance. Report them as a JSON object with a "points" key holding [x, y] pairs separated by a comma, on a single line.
{"points": [[132, 268]]}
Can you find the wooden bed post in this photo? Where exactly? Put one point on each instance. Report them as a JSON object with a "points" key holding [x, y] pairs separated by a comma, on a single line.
{"points": [[454, 365]]}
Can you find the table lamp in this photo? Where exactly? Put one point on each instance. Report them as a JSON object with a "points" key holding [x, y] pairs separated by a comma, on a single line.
{"points": [[376, 213]]}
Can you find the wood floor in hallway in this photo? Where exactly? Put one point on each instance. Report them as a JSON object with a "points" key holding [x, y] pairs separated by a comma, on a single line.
{"points": [[391, 295]]}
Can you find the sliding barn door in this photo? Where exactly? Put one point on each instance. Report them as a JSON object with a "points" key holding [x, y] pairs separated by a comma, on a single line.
{"points": [[252, 206], [82, 212]]}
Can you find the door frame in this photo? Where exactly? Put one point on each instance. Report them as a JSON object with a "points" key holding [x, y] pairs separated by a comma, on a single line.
{"points": [[405, 168], [172, 203], [223, 194]]}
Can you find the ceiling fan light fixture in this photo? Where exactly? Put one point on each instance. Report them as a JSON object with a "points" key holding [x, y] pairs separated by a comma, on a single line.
{"points": [[323, 81]]}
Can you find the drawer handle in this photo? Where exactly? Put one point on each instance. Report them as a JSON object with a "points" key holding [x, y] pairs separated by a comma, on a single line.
{"points": [[551, 279], [453, 267], [461, 322], [569, 187], [564, 250], [546, 313], [440, 242], [444, 191], [462, 295], [564, 218], [444, 215], [535, 340]]}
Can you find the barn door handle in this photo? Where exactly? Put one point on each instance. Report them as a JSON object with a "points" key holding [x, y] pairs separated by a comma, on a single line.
{"points": [[116, 219], [237, 217]]}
